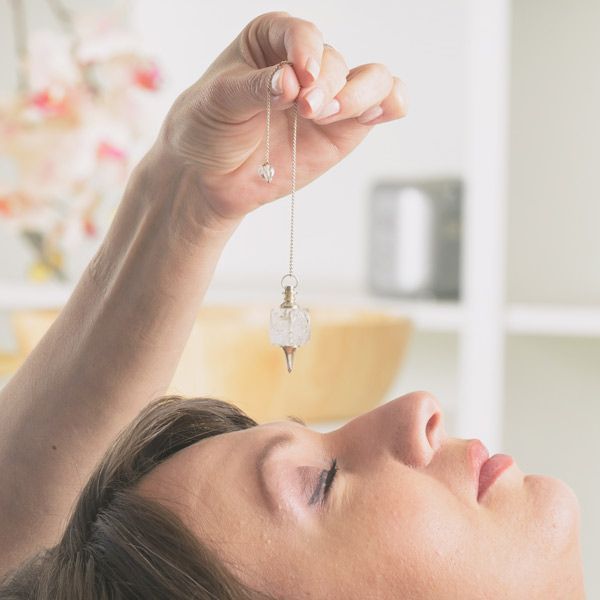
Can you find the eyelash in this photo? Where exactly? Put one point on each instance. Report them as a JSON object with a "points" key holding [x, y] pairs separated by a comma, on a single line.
{"points": [[325, 480]]}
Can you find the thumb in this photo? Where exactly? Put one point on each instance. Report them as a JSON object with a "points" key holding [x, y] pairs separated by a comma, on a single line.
{"points": [[248, 91]]}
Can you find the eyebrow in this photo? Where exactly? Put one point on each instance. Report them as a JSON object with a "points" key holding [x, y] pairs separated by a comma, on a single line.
{"points": [[277, 441]]}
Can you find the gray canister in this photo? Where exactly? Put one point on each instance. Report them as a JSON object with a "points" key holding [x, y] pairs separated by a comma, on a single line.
{"points": [[414, 238]]}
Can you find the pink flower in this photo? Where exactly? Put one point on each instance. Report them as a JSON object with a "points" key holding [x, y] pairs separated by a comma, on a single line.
{"points": [[54, 102], [107, 150], [5, 208], [148, 76], [89, 227]]}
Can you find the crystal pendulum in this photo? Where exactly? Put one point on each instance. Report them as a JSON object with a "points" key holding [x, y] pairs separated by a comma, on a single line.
{"points": [[289, 324]]}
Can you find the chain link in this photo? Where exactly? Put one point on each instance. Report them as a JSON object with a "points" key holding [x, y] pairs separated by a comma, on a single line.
{"points": [[294, 135], [294, 146]]}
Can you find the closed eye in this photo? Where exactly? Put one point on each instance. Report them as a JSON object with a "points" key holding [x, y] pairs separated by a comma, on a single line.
{"points": [[324, 484]]}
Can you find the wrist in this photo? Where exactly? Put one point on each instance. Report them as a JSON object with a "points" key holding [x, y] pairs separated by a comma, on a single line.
{"points": [[166, 184], [160, 212]]}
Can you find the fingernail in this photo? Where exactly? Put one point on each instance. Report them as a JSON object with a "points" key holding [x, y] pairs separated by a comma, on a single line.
{"points": [[332, 108], [315, 98], [277, 83], [370, 114], [312, 66]]}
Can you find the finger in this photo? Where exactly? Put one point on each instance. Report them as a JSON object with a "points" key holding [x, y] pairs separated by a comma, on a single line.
{"points": [[395, 105], [366, 86], [368, 107], [279, 36], [320, 96], [238, 95], [243, 93]]}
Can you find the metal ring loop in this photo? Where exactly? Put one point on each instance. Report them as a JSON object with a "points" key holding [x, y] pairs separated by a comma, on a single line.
{"points": [[292, 276], [276, 68]]}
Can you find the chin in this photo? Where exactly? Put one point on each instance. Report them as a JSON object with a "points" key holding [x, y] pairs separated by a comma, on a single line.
{"points": [[557, 511]]}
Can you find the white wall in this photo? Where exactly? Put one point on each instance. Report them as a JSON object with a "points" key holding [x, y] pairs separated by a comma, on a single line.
{"points": [[552, 412], [554, 211]]}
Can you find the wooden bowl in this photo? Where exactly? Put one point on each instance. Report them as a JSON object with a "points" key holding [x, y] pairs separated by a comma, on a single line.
{"points": [[344, 370]]}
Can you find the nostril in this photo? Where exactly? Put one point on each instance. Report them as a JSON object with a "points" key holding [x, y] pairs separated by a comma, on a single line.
{"points": [[433, 430]]}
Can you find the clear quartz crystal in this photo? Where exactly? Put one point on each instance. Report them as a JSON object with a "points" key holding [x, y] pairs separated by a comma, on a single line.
{"points": [[267, 172], [289, 326]]}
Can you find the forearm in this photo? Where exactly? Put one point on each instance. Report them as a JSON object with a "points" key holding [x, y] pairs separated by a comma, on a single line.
{"points": [[113, 348]]}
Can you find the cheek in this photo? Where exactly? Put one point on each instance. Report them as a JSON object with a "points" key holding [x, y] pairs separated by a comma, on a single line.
{"points": [[411, 537]]}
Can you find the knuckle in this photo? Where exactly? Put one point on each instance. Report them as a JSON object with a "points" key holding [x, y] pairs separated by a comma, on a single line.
{"points": [[302, 26], [333, 53], [380, 70], [311, 28], [338, 58], [271, 15], [281, 13], [263, 22]]}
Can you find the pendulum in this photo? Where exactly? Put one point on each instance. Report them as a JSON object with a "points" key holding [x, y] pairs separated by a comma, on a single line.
{"points": [[289, 325]]}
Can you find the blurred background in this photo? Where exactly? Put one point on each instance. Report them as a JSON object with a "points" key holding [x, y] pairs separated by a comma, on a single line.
{"points": [[468, 230]]}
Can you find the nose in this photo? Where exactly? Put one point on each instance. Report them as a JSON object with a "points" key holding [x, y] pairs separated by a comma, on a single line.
{"points": [[419, 428], [410, 427]]}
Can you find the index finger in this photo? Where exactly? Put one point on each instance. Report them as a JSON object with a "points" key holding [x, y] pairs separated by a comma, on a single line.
{"points": [[283, 37]]}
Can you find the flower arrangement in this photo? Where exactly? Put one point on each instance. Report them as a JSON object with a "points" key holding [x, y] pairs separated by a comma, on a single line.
{"points": [[68, 136]]}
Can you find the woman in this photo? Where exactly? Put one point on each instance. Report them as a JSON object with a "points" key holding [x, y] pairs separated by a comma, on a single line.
{"points": [[194, 500]]}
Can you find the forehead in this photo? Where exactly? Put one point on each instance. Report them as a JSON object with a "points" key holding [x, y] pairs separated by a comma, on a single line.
{"points": [[215, 468]]}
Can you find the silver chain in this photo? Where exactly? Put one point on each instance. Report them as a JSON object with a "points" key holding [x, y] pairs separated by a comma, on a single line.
{"points": [[294, 131], [267, 150]]}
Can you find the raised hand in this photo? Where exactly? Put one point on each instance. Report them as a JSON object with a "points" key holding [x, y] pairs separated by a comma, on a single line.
{"points": [[216, 127]]}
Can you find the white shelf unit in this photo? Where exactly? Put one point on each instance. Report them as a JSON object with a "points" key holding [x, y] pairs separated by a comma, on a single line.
{"points": [[571, 321], [427, 315]]}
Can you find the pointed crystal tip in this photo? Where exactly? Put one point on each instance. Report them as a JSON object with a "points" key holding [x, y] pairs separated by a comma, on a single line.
{"points": [[289, 357]]}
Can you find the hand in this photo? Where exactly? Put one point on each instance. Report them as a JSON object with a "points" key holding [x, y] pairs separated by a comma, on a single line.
{"points": [[216, 127]]}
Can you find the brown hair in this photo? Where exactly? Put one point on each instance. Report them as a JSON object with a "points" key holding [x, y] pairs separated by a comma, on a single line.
{"points": [[119, 545]]}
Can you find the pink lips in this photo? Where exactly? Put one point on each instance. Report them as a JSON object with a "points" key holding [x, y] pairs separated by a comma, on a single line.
{"points": [[491, 470], [486, 468]]}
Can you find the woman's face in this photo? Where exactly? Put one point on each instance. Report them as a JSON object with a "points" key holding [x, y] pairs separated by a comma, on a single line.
{"points": [[401, 517]]}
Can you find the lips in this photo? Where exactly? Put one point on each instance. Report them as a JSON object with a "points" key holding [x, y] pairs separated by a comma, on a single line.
{"points": [[491, 470], [486, 468]]}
